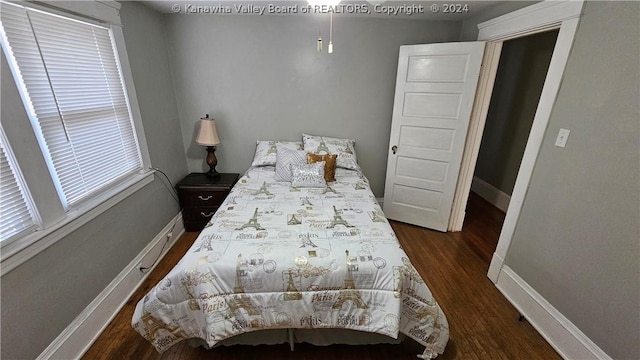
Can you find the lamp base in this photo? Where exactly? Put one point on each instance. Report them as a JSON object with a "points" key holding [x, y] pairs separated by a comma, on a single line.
{"points": [[212, 162], [212, 174]]}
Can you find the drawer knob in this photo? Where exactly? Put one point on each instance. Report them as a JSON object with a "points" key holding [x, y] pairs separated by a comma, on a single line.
{"points": [[205, 198], [208, 214]]}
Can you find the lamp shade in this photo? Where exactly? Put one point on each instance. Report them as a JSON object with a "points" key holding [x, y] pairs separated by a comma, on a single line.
{"points": [[208, 135]]}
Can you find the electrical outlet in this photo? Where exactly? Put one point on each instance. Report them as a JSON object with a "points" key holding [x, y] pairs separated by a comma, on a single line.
{"points": [[561, 140]]}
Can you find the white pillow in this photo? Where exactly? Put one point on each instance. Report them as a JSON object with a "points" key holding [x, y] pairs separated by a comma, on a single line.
{"points": [[308, 175], [266, 150], [284, 159], [344, 148]]}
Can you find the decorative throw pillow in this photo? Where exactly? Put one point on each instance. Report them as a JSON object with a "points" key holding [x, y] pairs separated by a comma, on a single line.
{"points": [[344, 148], [284, 158], [329, 164], [308, 175], [266, 150]]}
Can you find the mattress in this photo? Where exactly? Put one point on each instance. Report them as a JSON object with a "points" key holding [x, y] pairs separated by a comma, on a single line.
{"points": [[280, 257]]}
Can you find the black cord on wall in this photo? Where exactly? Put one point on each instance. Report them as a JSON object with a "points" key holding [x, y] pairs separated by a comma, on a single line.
{"points": [[169, 235], [174, 194], [170, 187]]}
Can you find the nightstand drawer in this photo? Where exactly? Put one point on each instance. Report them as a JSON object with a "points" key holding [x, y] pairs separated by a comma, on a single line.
{"points": [[201, 197], [199, 214]]}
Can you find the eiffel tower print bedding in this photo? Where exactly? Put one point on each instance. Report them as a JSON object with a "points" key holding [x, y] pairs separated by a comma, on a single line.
{"points": [[279, 257]]}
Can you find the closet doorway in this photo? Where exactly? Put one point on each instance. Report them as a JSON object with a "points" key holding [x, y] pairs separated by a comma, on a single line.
{"points": [[522, 70], [544, 16]]}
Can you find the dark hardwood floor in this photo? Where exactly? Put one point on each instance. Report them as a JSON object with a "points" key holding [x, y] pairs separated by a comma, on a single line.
{"points": [[483, 324]]}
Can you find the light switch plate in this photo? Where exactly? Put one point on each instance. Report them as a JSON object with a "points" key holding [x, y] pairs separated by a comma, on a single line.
{"points": [[561, 140]]}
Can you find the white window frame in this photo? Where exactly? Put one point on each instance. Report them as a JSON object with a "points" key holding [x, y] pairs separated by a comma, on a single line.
{"points": [[56, 223], [26, 195]]}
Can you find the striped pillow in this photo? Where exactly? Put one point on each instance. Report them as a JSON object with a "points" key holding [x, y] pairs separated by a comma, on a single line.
{"points": [[284, 158]]}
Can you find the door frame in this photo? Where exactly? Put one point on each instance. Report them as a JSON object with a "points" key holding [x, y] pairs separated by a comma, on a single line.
{"points": [[543, 16]]}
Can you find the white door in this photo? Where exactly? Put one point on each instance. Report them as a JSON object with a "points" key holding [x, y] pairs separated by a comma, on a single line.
{"points": [[435, 89]]}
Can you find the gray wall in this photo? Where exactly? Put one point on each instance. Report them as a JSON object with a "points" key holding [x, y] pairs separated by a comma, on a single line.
{"points": [[523, 68], [577, 241], [42, 296], [260, 77]]}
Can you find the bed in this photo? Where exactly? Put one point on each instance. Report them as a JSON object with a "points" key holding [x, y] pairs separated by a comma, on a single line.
{"points": [[282, 261]]}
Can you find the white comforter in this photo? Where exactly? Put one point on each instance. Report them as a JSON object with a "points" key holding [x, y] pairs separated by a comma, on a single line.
{"points": [[274, 256]]}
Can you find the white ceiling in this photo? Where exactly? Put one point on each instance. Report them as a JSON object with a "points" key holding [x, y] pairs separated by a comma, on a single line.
{"points": [[421, 10]]}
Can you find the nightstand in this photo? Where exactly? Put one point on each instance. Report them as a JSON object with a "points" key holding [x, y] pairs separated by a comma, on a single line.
{"points": [[200, 197]]}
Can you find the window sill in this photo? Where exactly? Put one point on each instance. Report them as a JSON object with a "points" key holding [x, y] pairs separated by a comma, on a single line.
{"points": [[18, 251]]}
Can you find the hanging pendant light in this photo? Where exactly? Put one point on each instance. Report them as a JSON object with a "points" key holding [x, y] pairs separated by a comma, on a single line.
{"points": [[330, 47], [319, 41]]}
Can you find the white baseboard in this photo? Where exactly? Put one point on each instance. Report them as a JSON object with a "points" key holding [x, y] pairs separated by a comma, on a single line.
{"points": [[562, 334], [490, 193], [495, 267], [76, 338]]}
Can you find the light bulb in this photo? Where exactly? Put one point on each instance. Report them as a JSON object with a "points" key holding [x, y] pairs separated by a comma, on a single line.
{"points": [[330, 47]]}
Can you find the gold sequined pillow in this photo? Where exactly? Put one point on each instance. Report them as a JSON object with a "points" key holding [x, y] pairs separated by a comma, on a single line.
{"points": [[329, 164]]}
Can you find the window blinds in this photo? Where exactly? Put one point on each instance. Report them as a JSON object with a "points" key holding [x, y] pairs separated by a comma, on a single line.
{"points": [[72, 83], [15, 216]]}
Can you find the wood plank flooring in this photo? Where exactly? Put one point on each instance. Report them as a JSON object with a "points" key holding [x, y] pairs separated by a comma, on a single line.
{"points": [[483, 325]]}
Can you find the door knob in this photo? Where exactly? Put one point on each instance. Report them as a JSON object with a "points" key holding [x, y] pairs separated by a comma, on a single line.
{"points": [[394, 149]]}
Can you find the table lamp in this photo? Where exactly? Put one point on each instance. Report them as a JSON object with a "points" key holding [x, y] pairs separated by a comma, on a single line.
{"points": [[208, 136]]}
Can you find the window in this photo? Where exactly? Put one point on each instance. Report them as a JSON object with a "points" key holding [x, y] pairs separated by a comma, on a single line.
{"points": [[16, 216], [71, 81], [72, 120]]}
